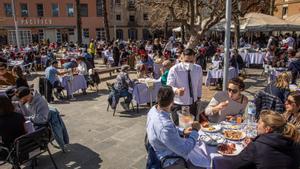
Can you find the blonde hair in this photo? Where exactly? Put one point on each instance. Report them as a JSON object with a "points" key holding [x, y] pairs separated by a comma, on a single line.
{"points": [[282, 81], [277, 122]]}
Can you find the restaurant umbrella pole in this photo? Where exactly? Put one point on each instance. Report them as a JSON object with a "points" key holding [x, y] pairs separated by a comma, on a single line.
{"points": [[227, 43], [16, 24]]}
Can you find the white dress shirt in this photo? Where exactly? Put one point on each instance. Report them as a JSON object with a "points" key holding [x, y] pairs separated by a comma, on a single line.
{"points": [[178, 77]]}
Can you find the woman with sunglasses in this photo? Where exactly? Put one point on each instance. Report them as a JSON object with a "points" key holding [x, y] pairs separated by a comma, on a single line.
{"points": [[229, 103], [275, 147], [292, 107]]}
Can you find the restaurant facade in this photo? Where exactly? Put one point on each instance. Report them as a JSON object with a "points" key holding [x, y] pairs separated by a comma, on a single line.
{"points": [[52, 20]]}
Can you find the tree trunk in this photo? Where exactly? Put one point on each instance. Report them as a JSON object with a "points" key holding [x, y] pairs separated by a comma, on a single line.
{"points": [[237, 33], [106, 25], [272, 7], [166, 30], [78, 23], [195, 39], [182, 34]]}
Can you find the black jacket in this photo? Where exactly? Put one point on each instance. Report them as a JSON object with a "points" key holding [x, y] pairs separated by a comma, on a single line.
{"points": [[268, 151]]}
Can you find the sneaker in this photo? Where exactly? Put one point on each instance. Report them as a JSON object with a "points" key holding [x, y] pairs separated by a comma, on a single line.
{"points": [[125, 106]]}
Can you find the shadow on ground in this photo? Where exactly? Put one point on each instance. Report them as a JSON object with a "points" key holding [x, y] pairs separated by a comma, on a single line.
{"points": [[78, 156]]}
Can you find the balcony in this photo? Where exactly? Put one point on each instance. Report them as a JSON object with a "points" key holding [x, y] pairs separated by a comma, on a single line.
{"points": [[132, 24], [131, 7]]}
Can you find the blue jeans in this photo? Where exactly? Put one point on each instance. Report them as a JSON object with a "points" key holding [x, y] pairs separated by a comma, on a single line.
{"points": [[125, 93]]}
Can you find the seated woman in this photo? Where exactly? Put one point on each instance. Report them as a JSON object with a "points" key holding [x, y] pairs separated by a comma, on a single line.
{"points": [[122, 84], [275, 147], [279, 88], [20, 79], [11, 123], [145, 65], [237, 61], [230, 102], [292, 109]]}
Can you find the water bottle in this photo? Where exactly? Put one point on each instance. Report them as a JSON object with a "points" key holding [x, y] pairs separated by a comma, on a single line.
{"points": [[251, 110]]}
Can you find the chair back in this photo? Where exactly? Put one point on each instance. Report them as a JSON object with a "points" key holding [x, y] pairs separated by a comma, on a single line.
{"points": [[31, 145]]}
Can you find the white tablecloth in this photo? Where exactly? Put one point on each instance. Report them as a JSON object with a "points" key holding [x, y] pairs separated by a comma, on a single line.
{"points": [[141, 93], [73, 83], [253, 58], [13, 63], [214, 74], [206, 156], [156, 70]]}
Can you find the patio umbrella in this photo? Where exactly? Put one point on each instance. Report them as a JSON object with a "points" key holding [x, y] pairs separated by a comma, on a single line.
{"points": [[262, 22], [294, 19]]}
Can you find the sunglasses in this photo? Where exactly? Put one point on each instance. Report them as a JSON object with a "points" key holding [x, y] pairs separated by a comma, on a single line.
{"points": [[234, 91], [289, 101]]}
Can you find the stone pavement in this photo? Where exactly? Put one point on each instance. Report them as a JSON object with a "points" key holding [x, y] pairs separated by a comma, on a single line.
{"points": [[99, 140]]}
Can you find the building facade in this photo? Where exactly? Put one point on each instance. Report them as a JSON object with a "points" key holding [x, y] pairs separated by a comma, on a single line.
{"points": [[286, 8], [51, 20], [128, 21]]}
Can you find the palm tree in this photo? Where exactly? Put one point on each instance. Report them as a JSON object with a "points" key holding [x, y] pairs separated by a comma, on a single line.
{"points": [[106, 26], [78, 22]]}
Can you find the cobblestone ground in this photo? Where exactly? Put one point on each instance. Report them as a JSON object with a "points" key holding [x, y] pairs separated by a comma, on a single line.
{"points": [[99, 140]]}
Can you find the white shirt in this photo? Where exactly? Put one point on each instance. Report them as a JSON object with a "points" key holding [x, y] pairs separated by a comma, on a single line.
{"points": [[82, 68], [178, 77], [290, 41]]}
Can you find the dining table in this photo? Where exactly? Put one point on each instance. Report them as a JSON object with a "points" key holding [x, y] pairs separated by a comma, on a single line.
{"points": [[73, 83], [208, 156], [216, 73], [145, 92]]}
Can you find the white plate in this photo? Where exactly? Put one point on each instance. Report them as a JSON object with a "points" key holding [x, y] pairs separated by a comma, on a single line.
{"points": [[213, 140], [239, 148], [216, 128], [231, 126], [243, 136]]}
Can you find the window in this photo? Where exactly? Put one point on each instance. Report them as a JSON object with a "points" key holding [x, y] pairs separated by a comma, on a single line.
{"points": [[132, 34], [84, 12], [58, 36], [146, 18], [284, 11], [40, 10], [24, 10], [99, 7], [119, 34], [118, 17], [131, 4], [24, 36], [41, 35], [70, 10], [131, 18], [86, 33], [118, 2], [71, 31], [146, 34], [100, 33], [8, 10], [55, 10]]}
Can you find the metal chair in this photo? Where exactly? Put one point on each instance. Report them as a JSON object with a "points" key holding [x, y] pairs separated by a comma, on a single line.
{"points": [[110, 87], [153, 162], [26, 148]]}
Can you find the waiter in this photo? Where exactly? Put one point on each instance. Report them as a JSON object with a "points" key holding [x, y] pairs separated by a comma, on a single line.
{"points": [[186, 80]]}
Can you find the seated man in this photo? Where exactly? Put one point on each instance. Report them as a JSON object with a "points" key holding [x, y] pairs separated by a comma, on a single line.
{"points": [[164, 136], [51, 73], [122, 85], [37, 109], [6, 78]]}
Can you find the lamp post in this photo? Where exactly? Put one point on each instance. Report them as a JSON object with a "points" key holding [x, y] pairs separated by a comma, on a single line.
{"points": [[16, 23], [227, 43]]}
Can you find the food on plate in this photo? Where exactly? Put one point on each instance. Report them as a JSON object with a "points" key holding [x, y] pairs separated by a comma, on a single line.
{"points": [[234, 127], [233, 134], [227, 148], [205, 124], [230, 118]]}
